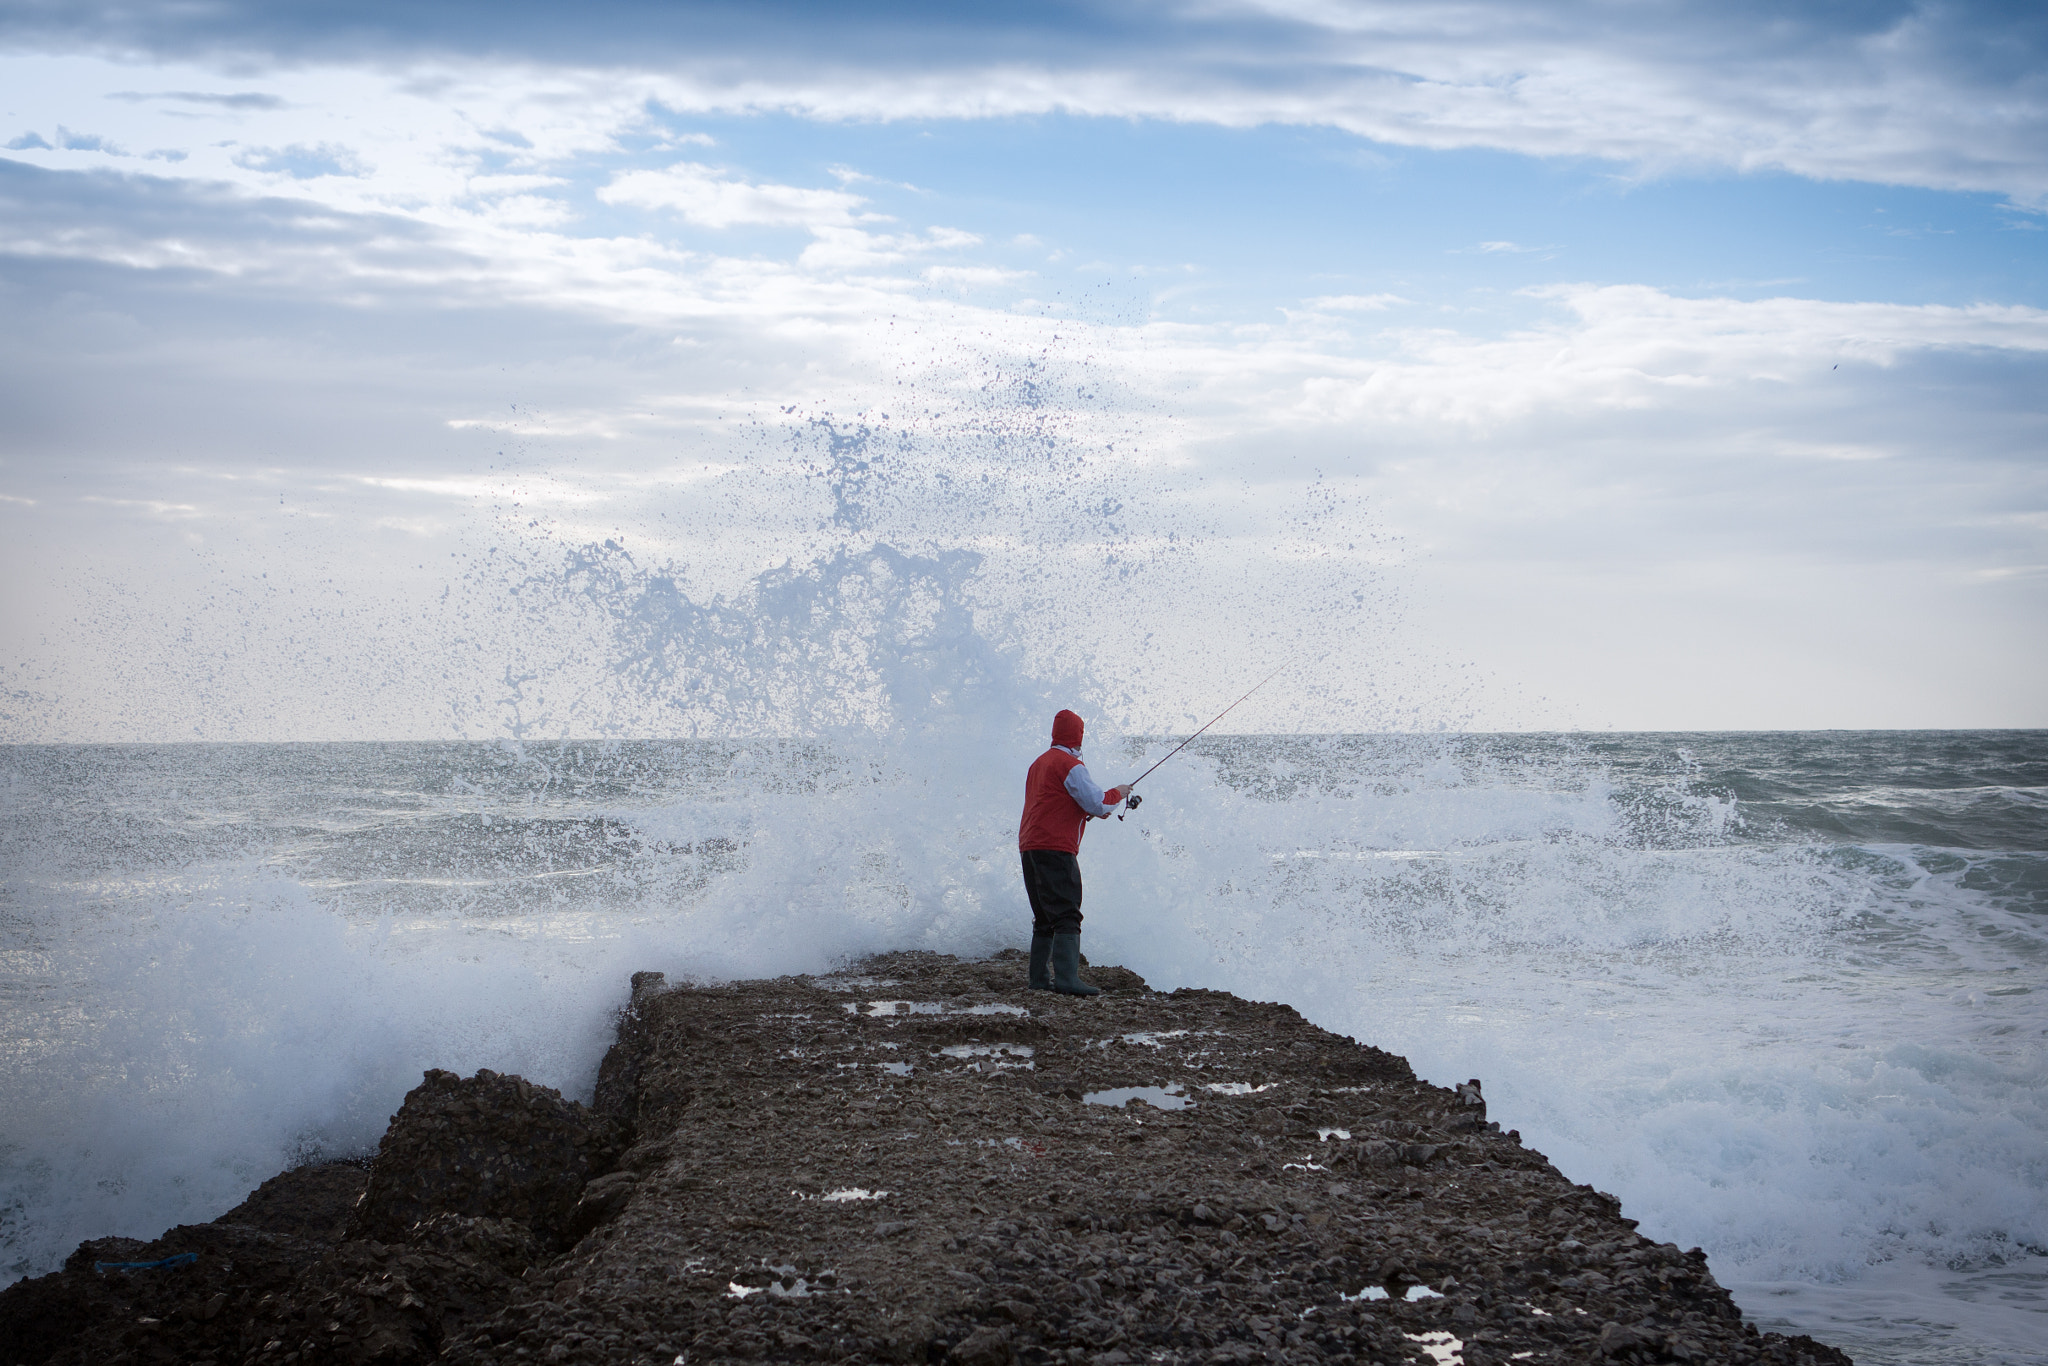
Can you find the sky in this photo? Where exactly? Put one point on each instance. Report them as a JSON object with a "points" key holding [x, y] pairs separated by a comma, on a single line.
{"points": [[1640, 365]]}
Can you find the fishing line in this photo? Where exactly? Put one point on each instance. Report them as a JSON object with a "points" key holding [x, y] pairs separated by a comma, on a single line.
{"points": [[1131, 786]]}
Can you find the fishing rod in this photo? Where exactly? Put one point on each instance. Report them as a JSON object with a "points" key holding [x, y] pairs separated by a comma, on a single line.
{"points": [[1133, 783]]}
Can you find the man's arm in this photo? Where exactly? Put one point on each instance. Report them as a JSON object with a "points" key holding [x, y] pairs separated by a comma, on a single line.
{"points": [[1088, 795]]}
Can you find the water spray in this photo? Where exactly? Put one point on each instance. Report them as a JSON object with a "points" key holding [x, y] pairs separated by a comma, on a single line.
{"points": [[1130, 789]]}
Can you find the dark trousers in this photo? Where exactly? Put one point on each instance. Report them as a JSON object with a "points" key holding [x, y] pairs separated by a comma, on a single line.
{"points": [[1052, 880]]}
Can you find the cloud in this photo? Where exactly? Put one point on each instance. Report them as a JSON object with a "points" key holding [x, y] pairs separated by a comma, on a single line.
{"points": [[351, 329], [710, 198], [847, 175], [1635, 348], [512, 183], [1636, 439], [147, 223], [1355, 303], [67, 141], [152, 506], [852, 249], [85, 142], [245, 99], [974, 277], [302, 162], [1945, 95]]}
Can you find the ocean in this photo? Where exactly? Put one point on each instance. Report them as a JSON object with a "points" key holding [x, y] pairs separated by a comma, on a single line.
{"points": [[1786, 994]]}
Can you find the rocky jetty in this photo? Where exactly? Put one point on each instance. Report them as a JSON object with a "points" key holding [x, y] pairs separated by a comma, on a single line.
{"points": [[915, 1160]]}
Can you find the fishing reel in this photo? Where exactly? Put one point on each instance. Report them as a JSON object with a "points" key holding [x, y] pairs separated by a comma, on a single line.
{"points": [[1130, 804]]}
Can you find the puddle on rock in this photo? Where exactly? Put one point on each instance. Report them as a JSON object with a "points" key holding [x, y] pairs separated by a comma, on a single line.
{"points": [[785, 1284], [1325, 1135], [1379, 1292], [998, 1056], [1150, 1038], [885, 1008], [1158, 1097], [1442, 1346], [894, 1008], [840, 1197]]}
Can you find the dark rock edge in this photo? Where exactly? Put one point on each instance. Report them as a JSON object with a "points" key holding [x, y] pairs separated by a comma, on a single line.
{"points": [[684, 1215]]}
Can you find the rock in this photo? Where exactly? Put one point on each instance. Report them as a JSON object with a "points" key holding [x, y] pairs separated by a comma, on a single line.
{"points": [[313, 1201], [984, 1347], [645, 1157], [490, 1147], [603, 1199], [502, 1243], [1616, 1339], [782, 1205]]}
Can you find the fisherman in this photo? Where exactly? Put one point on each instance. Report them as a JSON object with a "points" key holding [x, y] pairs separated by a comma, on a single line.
{"points": [[1059, 800]]}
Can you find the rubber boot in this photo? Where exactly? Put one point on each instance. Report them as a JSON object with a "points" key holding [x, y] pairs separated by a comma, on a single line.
{"points": [[1041, 962], [1066, 967]]}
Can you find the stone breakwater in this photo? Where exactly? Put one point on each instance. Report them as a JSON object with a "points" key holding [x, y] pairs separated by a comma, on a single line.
{"points": [[916, 1161]]}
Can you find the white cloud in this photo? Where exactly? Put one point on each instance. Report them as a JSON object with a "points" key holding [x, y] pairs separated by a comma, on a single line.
{"points": [[512, 184], [847, 175], [1661, 448], [155, 507], [1940, 95], [1664, 88], [974, 277], [1634, 347], [528, 211], [303, 162], [711, 198], [1355, 303], [1626, 424]]}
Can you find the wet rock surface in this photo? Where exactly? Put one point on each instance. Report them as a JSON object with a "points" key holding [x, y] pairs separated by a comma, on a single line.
{"points": [[902, 1162], [491, 1147]]}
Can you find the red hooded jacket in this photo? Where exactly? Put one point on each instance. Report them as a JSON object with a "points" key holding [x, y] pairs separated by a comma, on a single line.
{"points": [[1052, 818]]}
